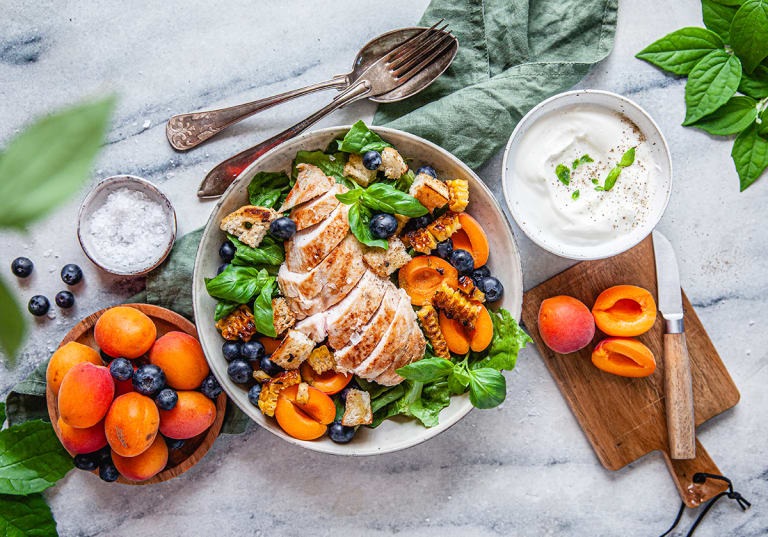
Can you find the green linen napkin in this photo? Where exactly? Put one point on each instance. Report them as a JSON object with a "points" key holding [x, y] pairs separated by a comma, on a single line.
{"points": [[512, 55]]}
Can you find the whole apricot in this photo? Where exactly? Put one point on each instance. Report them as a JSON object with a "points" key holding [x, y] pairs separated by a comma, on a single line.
{"points": [[181, 357], [144, 465], [131, 424], [64, 359], [192, 415], [125, 332], [85, 395], [85, 440], [565, 324]]}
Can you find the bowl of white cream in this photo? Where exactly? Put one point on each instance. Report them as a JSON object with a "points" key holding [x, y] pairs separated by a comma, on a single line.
{"points": [[587, 174]]}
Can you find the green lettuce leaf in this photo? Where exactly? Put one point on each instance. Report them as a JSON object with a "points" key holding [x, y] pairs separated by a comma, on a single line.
{"points": [[269, 189], [360, 139], [508, 339]]}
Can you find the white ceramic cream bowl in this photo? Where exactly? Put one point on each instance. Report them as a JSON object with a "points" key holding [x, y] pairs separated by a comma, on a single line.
{"points": [[504, 263], [525, 216]]}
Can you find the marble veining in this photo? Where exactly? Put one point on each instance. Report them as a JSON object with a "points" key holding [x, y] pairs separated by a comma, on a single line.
{"points": [[523, 469]]}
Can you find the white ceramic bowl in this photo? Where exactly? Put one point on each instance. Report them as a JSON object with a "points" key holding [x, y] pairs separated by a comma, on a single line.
{"points": [[504, 262], [526, 218]]}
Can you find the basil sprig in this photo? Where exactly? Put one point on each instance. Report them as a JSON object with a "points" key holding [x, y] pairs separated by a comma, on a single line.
{"points": [[626, 160], [237, 283], [563, 174], [360, 139]]}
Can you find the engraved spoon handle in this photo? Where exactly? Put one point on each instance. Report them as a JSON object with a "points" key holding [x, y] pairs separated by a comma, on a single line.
{"points": [[186, 131]]}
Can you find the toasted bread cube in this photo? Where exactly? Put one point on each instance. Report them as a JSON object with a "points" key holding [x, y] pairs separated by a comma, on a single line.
{"points": [[384, 262], [445, 226], [355, 170], [421, 240], [357, 410], [271, 389], [239, 324], [282, 315], [458, 194], [401, 221], [431, 192], [321, 360], [392, 164], [302, 395], [293, 350], [249, 224], [456, 305]]}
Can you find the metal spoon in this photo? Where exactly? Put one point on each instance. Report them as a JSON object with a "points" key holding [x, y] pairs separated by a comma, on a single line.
{"points": [[186, 131]]}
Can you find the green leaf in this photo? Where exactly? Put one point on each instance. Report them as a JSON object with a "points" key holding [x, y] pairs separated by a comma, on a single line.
{"points": [[26, 516], [711, 83], [2, 414], [681, 50], [730, 2], [755, 84], [575, 195], [262, 310], [269, 252], [359, 223], [583, 159], [224, 308], [268, 189], [627, 158], [405, 181], [361, 139], [749, 33], [387, 396], [731, 118], [717, 17], [750, 155], [563, 174], [385, 198], [351, 196], [508, 339], [762, 128], [45, 164], [427, 369], [12, 327], [331, 165], [31, 458], [237, 284], [611, 179], [487, 388]]}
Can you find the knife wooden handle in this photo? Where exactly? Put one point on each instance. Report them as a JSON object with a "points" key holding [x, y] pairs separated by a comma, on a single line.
{"points": [[679, 397]]}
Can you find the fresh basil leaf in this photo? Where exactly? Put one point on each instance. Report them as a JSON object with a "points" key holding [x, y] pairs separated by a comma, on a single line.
{"points": [[627, 158], [750, 155], [237, 284], [595, 181], [359, 223], [583, 159], [731, 118], [681, 50], [388, 396], [266, 189], [762, 128], [224, 308], [22, 516], [755, 84], [710, 84], [563, 174], [262, 310], [456, 384], [610, 181], [508, 339], [351, 196], [13, 326], [575, 195], [360, 139], [717, 17], [331, 165], [31, 458], [426, 369], [487, 388], [749, 33], [385, 198], [405, 181], [730, 2], [269, 252]]}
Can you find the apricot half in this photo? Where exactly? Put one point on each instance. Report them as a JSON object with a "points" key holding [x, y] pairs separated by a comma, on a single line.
{"points": [[565, 324], [460, 340], [308, 420], [624, 310], [471, 238], [624, 356], [423, 274], [329, 382]]}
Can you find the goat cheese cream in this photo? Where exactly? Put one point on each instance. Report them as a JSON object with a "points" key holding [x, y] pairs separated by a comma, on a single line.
{"points": [[580, 213]]}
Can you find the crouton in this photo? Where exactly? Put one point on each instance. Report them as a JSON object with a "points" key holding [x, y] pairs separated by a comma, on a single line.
{"points": [[384, 262], [421, 240], [302, 394], [321, 360], [282, 315], [401, 221], [468, 287], [239, 324], [458, 195], [355, 170], [357, 410], [431, 192], [445, 226], [392, 164], [271, 389], [293, 350], [456, 305], [249, 224], [429, 322]]}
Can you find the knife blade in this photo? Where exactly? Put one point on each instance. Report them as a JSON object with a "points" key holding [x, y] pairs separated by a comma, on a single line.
{"points": [[678, 386]]}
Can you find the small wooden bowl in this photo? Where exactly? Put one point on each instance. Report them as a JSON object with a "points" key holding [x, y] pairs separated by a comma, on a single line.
{"points": [[179, 460]]}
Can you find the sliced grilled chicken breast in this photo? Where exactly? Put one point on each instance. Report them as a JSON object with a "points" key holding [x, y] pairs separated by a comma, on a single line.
{"points": [[313, 327], [414, 350], [311, 182], [308, 247], [392, 343], [357, 308], [316, 210]]}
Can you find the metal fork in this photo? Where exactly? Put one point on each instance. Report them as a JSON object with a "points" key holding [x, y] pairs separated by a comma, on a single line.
{"points": [[391, 71]]}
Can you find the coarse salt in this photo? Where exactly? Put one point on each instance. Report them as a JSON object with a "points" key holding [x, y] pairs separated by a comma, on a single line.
{"points": [[130, 229]]}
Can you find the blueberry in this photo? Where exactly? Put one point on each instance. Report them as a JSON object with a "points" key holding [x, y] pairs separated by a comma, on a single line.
{"points": [[148, 379], [372, 160], [174, 443], [166, 399], [108, 472], [240, 371], [479, 273], [221, 268], [38, 305], [270, 367], [444, 248], [22, 267], [227, 251], [231, 350], [351, 386], [71, 274], [252, 350], [422, 221], [283, 228], [383, 226], [210, 387], [106, 357], [64, 299], [339, 433], [462, 260], [87, 461], [253, 394], [121, 369], [429, 170], [492, 288]]}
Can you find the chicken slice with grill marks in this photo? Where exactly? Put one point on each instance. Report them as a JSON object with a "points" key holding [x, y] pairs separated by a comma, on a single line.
{"points": [[311, 182], [316, 210], [412, 352], [308, 247]]}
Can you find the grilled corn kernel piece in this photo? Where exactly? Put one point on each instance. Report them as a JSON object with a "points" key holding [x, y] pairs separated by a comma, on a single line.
{"points": [[421, 240], [321, 360], [468, 287], [239, 324], [271, 389], [458, 194], [445, 226], [456, 305], [261, 376], [428, 317]]}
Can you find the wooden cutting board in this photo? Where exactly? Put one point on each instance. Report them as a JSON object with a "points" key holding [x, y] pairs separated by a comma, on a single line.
{"points": [[624, 418]]}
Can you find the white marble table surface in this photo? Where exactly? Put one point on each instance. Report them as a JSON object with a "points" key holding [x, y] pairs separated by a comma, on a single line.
{"points": [[524, 469]]}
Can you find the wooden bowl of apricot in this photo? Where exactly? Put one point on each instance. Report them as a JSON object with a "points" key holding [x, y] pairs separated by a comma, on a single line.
{"points": [[131, 397]]}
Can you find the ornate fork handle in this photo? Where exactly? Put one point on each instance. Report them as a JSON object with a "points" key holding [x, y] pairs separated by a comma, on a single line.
{"points": [[186, 131]]}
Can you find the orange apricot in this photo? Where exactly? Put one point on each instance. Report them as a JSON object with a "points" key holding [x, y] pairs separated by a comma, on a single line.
{"points": [[624, 356], [454, 333], [624, 310], [329, 382], [565, 324], [85, 395], [472, 238], [125, 332], [270, 344], [66, 357], [181, 357], [423, 274], [85, 440], [482, 334], [131, 424], [145, 465], [192, 415], [305, 421]]}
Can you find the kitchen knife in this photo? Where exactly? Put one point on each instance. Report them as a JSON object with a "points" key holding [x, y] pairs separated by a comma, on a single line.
{"points": [[677, 367]]}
